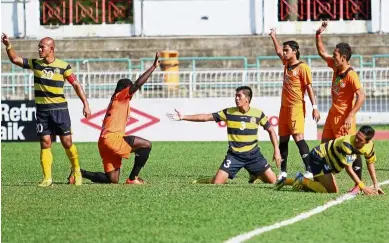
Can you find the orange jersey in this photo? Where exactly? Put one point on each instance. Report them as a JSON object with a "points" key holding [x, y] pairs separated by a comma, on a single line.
{"points": [[117, 114], [343, 89], [296, 79]]}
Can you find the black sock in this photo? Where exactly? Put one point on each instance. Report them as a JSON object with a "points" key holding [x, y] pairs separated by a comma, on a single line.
{"points": [[96, 177], [304, 152], [284, 154], [357, 166], [141, 157]]}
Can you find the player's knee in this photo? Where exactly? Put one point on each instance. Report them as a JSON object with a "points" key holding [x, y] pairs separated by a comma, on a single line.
{"points": [[148, 144], [45, 142]]}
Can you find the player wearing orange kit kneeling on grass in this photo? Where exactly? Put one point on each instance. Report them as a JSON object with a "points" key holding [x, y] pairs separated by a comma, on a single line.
{"points": [[331, 157], [347, 95], [243, 122], [113, 144]]}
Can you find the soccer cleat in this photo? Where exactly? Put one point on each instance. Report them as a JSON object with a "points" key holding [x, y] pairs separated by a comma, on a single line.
{"points": [[71, 179], [308, 175], [46, 183], [77, 178], [355, 190], [298, 182], [279, 183], [136, 181]]}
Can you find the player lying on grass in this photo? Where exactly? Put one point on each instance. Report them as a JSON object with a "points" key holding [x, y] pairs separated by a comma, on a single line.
{"points": [[113, 144], [242, 128], [331, 157]]}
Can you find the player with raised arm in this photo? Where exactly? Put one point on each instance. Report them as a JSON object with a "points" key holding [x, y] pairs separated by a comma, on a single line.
{"points": [[113, 144], [297, 80], [347, 95], [242, 129], [52, 112]]}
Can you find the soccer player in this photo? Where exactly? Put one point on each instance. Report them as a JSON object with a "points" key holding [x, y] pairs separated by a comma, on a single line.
{"points": [[52, 112], [113, 144], [331, 157], [297, 80], [242, 128], [345, 87]]}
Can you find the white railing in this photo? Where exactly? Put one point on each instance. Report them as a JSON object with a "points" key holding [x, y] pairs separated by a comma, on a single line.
{"points": [[216, 83]]}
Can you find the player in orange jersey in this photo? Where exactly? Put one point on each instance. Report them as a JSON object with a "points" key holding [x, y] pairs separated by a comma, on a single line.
{"points": [[113, 144], [297, 80], [345, 87]]}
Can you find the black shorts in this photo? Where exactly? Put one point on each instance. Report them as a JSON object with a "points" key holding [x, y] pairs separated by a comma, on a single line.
{"points": [[252, 161], [53, 122], [318, 164]]}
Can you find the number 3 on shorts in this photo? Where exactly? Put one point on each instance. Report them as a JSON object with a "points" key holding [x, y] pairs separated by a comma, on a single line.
{"points": [[227, 163]]}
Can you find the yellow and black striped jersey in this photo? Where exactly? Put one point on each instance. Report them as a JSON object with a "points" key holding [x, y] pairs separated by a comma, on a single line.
{"points": [[49, 80], [242, 128], [342, 152]]}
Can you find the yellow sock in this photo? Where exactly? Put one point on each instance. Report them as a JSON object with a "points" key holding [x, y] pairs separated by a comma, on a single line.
{"points": [[289, 181], [207, 180], [73, 157], [314, 185], [46, 162]]}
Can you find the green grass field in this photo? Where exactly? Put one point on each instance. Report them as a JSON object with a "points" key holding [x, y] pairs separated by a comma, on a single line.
{"points": [[171, 209]]}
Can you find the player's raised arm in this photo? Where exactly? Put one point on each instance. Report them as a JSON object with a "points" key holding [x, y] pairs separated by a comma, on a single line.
{"points": [[178, 116], [145, 76], [319, 43], [277, 46], [13, 57]]}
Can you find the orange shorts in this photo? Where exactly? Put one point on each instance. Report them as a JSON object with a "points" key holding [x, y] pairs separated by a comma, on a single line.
{"points": [[333, 128], [291, 120], [113, 148]]}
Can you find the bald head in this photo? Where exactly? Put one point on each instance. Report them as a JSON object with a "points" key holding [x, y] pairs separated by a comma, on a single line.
{"points": [[48, 41]]}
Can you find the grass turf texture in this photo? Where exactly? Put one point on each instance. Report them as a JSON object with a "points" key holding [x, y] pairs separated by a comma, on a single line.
{"points": [[171, 209]]}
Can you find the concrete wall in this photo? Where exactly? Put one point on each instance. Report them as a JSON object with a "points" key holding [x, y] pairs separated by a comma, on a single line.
{"points": [[188, 17]]}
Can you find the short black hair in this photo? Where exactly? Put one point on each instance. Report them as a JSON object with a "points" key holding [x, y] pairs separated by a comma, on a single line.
{"points": [[344, 50], [122, 84], [294, 45], [368, 131], [248, 92]]}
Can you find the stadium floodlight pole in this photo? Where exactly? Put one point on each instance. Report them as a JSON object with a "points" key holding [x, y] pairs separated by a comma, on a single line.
{"points": [[141, 18], [24, 20]]}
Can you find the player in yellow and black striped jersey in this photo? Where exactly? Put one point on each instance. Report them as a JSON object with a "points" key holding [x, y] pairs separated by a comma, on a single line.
{"points": [[52, 114], [335, 155], [242, 129]]}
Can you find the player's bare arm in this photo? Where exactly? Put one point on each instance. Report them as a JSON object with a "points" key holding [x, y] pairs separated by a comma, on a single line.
{"points": [[372, 173], [81, 94], [178, 116], [360, 93], [366, 190], [277, 46], [274, 141], [315, 110], [319, 42], [13, 57], [145, 76]]}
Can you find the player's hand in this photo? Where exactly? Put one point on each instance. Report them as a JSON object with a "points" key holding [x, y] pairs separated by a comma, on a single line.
{"points": [[378, 190], [156, 61], [175, 116], [86, 111], [277, 157], [5, 40], [347, 122], [369, 191], [316, 115], [272, 32], [322, 27]]}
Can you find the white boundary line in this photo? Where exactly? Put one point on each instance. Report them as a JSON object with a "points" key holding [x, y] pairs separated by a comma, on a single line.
{"points": [[246, 236]]}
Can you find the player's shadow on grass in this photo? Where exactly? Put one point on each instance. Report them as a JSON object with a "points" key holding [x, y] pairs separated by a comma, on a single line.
{"points": [[32, 183], [382, 169]]}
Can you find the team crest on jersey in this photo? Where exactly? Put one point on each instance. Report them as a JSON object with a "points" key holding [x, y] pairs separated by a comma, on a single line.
{"points": [[351, 158], [342, 84], [253, 120], [57, 71]]}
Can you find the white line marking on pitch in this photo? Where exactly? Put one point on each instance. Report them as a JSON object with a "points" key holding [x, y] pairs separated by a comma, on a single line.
{"points": [[305, 215]]}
